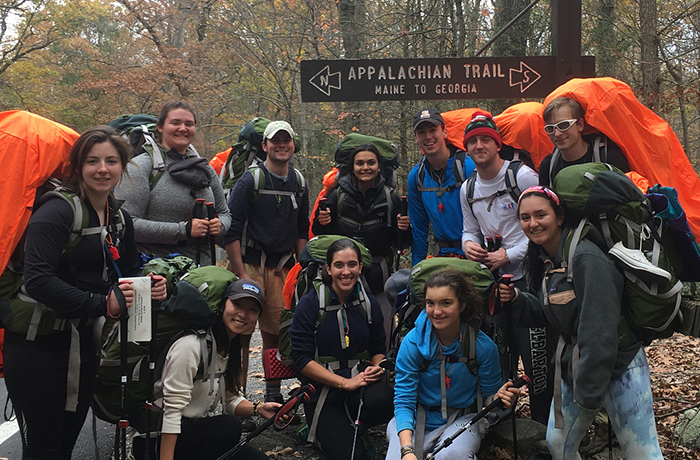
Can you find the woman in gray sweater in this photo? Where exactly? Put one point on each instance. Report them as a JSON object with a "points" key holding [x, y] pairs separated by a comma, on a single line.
{"points": [[165, 183], [592, 368]]}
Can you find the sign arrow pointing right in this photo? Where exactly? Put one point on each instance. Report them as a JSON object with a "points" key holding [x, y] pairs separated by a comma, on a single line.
{"points": [[525, 76]]}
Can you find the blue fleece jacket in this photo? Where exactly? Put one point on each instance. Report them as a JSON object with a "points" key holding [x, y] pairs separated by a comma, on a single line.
{"points": [[424, 209], [413, 387]]}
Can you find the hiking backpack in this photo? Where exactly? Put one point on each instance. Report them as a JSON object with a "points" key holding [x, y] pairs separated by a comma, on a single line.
{"points": [[611, 209], [190, 310], [20, 313], [390, 158], [172, 268], [512, 187], [457, 172], [306, 275], [410, 304], [135, 128]]}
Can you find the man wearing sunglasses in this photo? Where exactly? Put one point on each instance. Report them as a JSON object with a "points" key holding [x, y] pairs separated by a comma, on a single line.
{"points": [[564, 124]]}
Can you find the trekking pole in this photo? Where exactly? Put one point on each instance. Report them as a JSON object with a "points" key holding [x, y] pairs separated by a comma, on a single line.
{"points": [[507, 279], [123, 366], [197, 214], [497, 240], [357, 422], [211, 214], [155, 306], [496, 403], [399, 250], [290, 407]]}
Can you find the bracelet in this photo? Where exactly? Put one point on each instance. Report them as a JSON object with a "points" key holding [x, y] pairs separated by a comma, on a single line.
{"points": [[340, 385], [109, 313], [407, 449], [256, 408]]}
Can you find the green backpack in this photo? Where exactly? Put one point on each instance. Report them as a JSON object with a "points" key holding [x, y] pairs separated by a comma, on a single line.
{"points": [[612, 209], [312, 261], [170, 268], [20, 313], [245, 153], [134, 127], [479, 275], [391, 159], [191, 309]]}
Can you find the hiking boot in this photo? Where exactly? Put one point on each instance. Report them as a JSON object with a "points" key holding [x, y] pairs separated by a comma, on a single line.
{"points": [[541, 449], [248, 424], [635, 261], [597, 438]]}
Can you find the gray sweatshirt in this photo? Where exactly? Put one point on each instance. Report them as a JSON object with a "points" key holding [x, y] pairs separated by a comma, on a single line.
{"points": [[160, 215]]}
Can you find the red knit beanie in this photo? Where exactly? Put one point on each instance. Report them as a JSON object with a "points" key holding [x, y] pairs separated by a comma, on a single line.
{"points": [[482, 124]]}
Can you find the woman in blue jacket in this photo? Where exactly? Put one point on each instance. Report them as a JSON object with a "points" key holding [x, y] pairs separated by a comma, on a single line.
{"points": [[434, 397], [444, 392]]}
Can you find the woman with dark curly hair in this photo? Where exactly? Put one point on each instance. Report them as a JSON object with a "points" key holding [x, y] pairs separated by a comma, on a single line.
{"points": [[434, 396]]}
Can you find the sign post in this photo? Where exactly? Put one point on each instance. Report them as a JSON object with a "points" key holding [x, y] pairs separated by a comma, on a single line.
{"points": [[428, 79]]}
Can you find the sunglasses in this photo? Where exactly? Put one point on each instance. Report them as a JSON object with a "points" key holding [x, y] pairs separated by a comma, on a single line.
{"points": [[561, 126]]}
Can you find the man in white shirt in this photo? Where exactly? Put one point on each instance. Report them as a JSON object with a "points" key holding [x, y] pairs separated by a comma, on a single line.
{"points": [[491, 234]]}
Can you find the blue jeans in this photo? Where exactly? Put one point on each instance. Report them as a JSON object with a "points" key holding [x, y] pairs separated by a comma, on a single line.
{"points": [[631, 410]]}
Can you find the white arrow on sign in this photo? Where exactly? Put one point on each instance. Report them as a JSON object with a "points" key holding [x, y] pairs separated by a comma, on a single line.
{"points": [[525, 76], [324, 80]]}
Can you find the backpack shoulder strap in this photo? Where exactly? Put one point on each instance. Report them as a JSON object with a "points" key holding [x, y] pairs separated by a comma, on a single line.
{"points": [[556, 156], [512, 179], [469, 349], [389, 205], [471, 183], [258, 178], [458, 167], [600, 148]]}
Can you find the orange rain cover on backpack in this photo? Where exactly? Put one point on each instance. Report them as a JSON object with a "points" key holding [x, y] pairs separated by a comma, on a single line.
{"points": [[649, 143], [520, 126], [32, 149], [328, 181], [219, 160]]}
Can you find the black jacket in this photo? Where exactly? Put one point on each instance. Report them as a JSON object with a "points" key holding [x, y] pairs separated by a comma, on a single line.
{"points": [[366, 218]]}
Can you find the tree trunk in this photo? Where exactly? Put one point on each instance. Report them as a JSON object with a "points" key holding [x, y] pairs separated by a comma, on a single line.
{"points": [[605, 39], [649, 44], [352, 15]]}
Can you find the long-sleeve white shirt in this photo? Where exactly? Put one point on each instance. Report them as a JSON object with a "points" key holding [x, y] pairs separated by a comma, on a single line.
{"points": [[183, 396], [501, 219]]}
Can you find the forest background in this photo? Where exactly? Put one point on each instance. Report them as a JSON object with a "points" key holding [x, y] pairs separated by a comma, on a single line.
{"points": [[83, 63]]}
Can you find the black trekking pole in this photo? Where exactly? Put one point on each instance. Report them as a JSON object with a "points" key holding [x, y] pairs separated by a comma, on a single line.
{"points": [[497, 403], [357, 422], [123, 366], [280, 423], [197, 214], [211, 214], [155, 306], [399, 250], [506, 279]]}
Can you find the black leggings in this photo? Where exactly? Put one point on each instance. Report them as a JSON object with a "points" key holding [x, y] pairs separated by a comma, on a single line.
{"points": [[36, 375], [536, 347], [205, 439], [335, 430]]}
